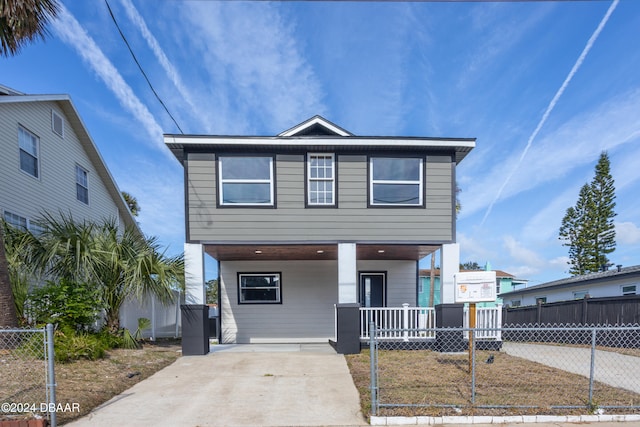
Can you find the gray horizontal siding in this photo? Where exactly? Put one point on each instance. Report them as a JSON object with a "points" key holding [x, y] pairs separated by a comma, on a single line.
{"points": [[292, 221]]}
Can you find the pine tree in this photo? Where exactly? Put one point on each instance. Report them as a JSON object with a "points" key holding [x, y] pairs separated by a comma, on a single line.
{"points": [[588, 229]]}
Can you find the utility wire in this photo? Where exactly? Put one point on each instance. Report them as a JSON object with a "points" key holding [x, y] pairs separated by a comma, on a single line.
{"points": [[140, 67]]}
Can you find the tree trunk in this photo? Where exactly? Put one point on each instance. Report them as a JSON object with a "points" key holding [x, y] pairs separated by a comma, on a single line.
{"points": [[8, 316], [432, 279]]}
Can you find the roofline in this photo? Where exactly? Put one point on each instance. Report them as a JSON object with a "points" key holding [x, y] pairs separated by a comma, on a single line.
{"points": [[178, 142], [89, 145], [315, 120], [591, 278]]}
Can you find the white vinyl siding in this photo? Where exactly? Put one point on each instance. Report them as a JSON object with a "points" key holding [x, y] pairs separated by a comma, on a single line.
{"points": [[55, 189]]}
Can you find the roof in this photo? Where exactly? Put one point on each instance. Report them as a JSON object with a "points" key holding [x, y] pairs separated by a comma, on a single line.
{"points": [[318, 133], [592, 278], [10, 96], [499, 273]]}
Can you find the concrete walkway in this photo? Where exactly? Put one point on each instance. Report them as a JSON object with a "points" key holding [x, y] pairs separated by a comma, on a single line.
{"points": [[240, 385], [611, 368]]}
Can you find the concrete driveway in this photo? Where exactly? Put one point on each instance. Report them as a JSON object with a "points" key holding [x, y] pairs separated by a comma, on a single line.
{"points": [[240, 385], [616, 370]]}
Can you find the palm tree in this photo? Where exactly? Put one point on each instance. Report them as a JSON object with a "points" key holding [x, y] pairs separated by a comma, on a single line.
{"points": [[132, 203], [120, 263], [22, 21]]}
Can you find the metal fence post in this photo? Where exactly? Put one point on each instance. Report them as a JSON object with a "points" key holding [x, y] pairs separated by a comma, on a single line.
{"points": [[593, 366], [374, 368], [472, 334], [51, 378]]}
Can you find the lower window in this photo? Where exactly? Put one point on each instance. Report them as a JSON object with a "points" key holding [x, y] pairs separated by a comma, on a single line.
{"points": [[259, 288]]}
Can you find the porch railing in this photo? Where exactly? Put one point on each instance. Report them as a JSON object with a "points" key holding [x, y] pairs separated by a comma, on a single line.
{"points": [[404, 322], [409, 323], [488, 320]]}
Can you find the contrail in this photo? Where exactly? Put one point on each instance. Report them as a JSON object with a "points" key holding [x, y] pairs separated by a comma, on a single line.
{"points": [[552, 104], [71, 32], [162, 58]]}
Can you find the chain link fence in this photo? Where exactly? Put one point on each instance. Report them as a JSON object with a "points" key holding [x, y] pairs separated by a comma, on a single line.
{"points": [[27, 380], [536, 370]]}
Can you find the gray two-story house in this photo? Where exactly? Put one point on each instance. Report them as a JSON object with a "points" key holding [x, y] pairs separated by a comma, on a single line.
{"points": [[313, 218]]}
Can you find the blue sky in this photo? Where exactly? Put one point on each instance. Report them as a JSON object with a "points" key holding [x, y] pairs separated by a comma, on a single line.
{"points": [[543, 86]]}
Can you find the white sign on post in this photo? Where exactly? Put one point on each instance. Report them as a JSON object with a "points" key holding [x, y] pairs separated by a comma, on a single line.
{"points": [[475, 286]]}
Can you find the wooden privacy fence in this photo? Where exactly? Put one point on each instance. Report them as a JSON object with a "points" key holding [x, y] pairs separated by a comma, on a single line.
{"points": [[621, 310]]}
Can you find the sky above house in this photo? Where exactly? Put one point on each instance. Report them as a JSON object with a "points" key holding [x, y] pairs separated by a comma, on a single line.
{"points": [[544, 86]]}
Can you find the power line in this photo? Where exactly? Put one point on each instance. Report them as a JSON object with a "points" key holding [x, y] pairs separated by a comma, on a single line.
{"points": [[140, 67]]}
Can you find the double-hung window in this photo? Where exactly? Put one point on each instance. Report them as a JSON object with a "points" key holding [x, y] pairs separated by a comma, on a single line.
{"points": [[82, 185], [320, 180], [259, 288], [246, 181], [29, 152], [396, 181], [16, 221]]}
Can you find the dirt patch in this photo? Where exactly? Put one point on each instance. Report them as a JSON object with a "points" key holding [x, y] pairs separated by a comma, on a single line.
{"points": [[441, 384], [91, 383]]}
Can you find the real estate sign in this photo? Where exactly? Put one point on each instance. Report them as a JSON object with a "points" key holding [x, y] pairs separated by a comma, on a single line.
{"points": [[475, 286]]}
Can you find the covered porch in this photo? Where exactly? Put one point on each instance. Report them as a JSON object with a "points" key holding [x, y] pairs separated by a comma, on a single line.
{"points": [[312, 279]]}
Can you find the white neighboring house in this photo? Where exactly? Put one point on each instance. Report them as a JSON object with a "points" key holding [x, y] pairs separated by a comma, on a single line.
{"points": [[616, 282], [49, 163]]}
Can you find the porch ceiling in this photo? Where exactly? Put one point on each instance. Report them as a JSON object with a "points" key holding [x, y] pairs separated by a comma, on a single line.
{"points": [[271, 252]]}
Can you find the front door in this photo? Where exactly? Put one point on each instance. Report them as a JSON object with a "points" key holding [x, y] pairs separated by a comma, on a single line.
{"points": [[372, 289]]}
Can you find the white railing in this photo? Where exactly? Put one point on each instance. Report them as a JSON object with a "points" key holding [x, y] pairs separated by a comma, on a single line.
{"points": [[398, 322], [486, 318]]}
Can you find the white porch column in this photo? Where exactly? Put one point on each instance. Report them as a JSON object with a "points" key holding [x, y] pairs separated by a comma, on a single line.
{"points": [[449, 265], [194, 273], [347, 274]]}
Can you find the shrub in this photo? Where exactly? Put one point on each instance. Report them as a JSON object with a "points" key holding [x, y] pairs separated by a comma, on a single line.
{"points": [[71, 345], [67, 304]]}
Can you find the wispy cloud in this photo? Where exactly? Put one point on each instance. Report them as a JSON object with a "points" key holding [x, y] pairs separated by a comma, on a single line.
{"points": [[164, 61], [577, 143], [256, 67], [627, 233], [551, 106], [69, 30]]}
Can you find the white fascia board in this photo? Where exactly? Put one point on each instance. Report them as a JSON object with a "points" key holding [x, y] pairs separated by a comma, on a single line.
{"points": [[352, 141], [10, 99]]}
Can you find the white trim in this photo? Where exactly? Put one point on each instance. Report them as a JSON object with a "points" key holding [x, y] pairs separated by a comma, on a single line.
{"points": [[54, 116], [223, 181], [311, 122], [419, 182], [332, 179]]}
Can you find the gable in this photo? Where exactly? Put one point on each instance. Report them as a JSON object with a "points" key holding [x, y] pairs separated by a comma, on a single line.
{"points": [[316, 126]]}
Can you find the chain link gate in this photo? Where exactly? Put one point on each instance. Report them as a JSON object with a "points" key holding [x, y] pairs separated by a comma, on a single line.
{"points": [[27, 375]]}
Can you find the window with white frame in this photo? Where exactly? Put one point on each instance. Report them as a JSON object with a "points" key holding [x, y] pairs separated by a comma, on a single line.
{"points": [[82, 185], [259, 288], [629, 290], [580, 294], [516, 303], [246, 181], [395, 181], [320, 179], [29, 152], [15, 220], [57, 124]]}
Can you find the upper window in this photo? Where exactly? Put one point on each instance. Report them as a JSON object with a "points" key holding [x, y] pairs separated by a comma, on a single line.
{"points": [[629, 290], [29, 152], [15, 220], [259, 288], [320, 180], [57, 124], [246, 181], [395, 181], [82, 185]]}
